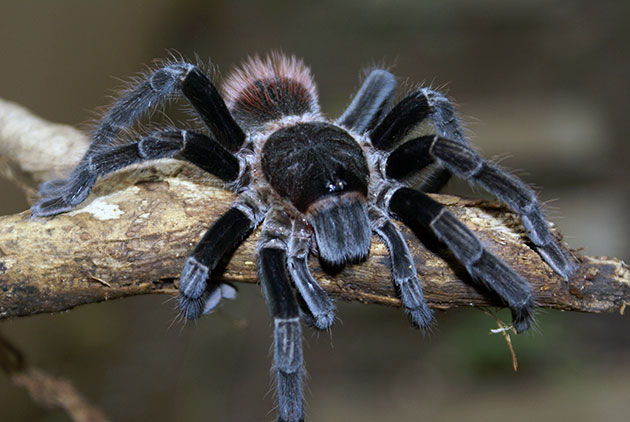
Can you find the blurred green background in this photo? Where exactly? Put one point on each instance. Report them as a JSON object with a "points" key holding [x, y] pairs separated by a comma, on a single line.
{"points": [[543, 85]]}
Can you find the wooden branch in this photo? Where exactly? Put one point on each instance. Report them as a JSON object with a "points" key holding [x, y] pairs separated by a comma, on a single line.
{"points": [[33, 150], [134, 231]]}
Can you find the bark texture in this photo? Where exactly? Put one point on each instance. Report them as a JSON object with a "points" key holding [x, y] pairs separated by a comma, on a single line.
{"points": [[134, 231]]}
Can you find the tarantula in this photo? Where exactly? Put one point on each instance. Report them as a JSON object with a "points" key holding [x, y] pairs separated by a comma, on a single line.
{"points": [[317, 186]]}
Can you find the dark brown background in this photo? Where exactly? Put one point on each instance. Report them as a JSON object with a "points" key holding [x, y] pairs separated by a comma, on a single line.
{"points": [[542, 84]]}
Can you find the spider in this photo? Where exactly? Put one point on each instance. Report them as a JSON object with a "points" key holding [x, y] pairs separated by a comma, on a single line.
{"points": [[317, 186]]}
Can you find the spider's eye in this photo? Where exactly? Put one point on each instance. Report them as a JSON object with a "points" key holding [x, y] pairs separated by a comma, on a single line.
{"points": [[336, 186]]}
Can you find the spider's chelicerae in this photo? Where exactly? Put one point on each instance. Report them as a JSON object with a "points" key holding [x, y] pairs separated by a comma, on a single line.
{"points": [[315, 185]]}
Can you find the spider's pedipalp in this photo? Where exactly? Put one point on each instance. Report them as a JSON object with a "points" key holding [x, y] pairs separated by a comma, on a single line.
{"points": [[416, 209], [196, 288], [320, 310], [403, 270], [367, 106], [320, 307]]}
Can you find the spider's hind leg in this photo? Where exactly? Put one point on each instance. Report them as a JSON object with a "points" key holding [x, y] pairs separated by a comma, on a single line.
{"points": [[368, 104], [415, 209]]}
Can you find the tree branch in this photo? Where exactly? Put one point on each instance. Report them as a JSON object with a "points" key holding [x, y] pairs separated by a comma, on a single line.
{"points": [[133, 233]]}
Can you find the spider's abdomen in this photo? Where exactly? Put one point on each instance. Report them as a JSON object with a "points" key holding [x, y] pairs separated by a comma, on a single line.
{"points": [[321, 169], [270, 99], [268, 89]]}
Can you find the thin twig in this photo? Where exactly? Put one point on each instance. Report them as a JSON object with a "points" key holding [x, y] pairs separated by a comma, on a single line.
{"points": [[45, 389]]}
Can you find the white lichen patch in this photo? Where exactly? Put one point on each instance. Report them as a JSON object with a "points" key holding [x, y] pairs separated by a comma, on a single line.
{"points": [[100, 208], [192, 189], [482, 219]]}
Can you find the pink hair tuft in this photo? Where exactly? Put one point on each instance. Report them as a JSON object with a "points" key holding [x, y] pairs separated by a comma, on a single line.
{"points": [[261, 82]]}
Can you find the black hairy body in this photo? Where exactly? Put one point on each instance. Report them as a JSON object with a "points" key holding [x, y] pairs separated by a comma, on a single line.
{"points": [[316, 186]]}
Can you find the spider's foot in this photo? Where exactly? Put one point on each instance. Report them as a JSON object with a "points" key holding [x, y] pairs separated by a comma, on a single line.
{"points": [[322, 321], [194, 299], [522, 319], [420, 317], [192, 280], [556, 259], [318, 312], [191, 308], [50, 206], [413, 301], [192, 288]]}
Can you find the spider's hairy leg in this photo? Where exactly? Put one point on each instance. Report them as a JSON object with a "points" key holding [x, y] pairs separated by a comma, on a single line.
{"points": [[462, 160], [198, 293], [403, 270], [201, 150], [287, 331], [367, 106], [452, 154], [422, 106], [319, 309], [416, 209], [204, 97], [154, 89]]}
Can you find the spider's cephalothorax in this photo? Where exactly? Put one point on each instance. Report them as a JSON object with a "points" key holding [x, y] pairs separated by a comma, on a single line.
{"points": [[315, 185]]}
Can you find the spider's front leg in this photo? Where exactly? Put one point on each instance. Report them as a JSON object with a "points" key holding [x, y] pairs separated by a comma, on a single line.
{"points": [[202, 150], [287, 331], [198, 293], [451, 152], [107, 154]]}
